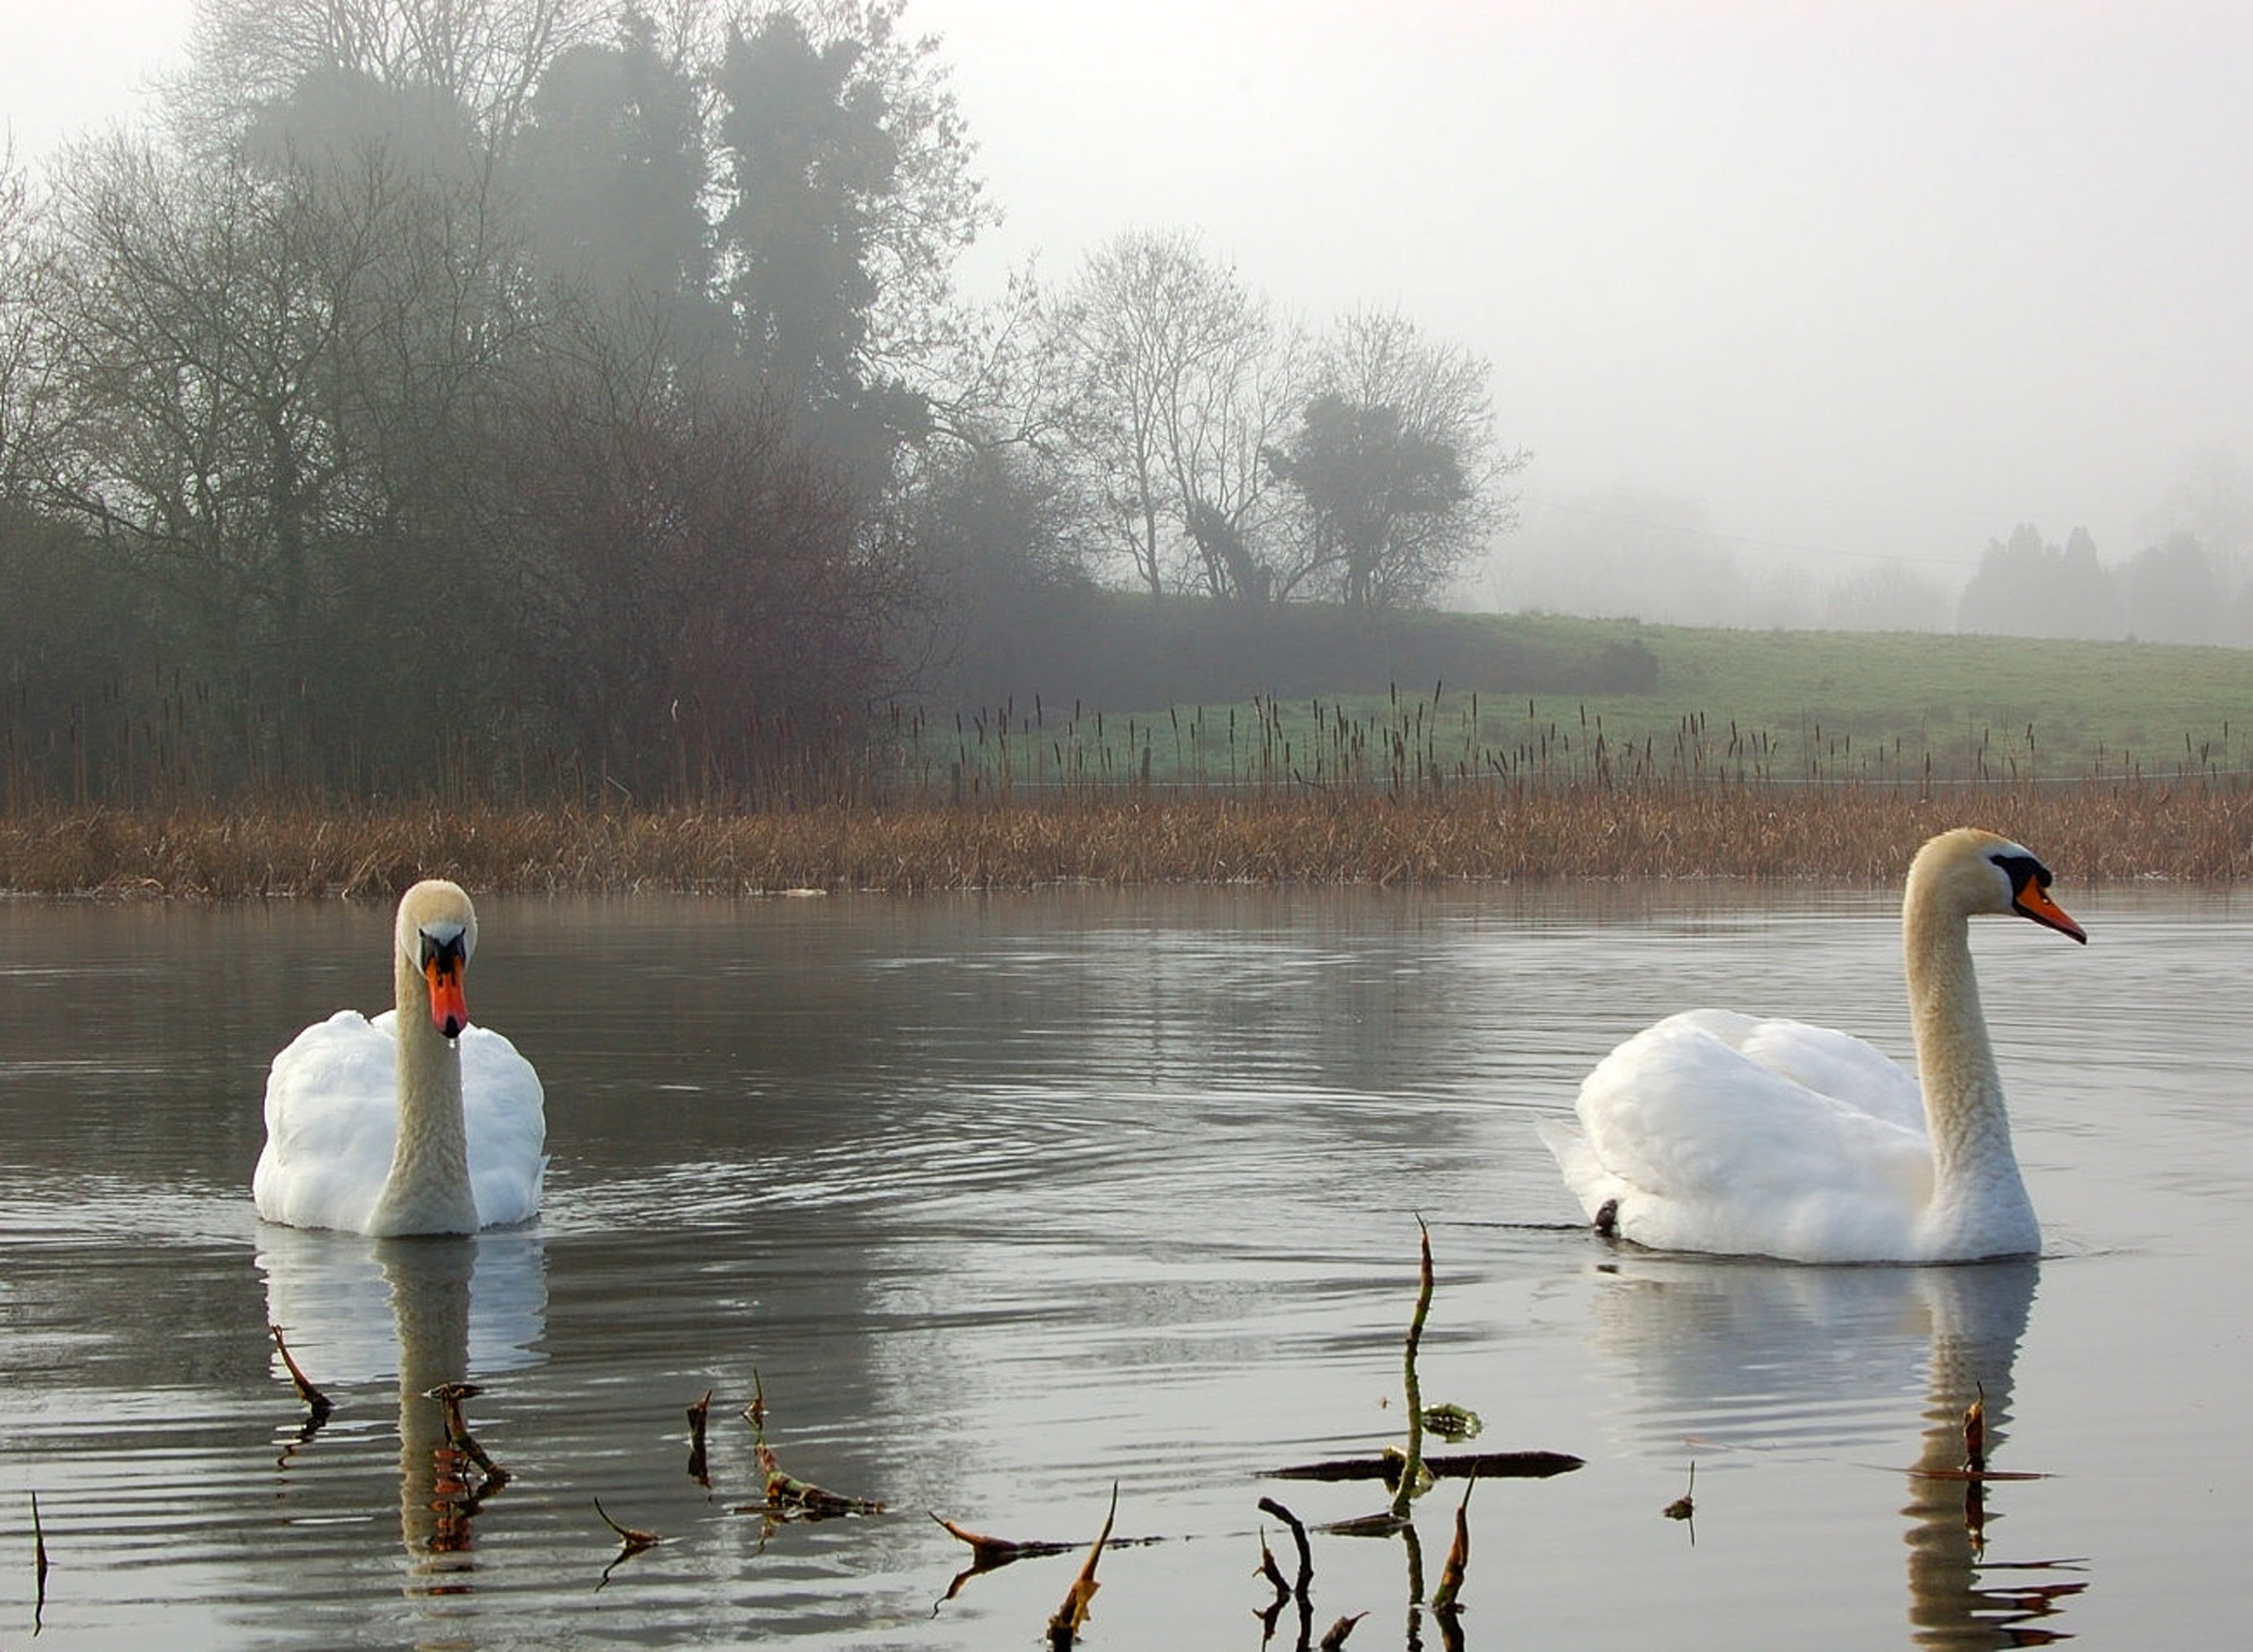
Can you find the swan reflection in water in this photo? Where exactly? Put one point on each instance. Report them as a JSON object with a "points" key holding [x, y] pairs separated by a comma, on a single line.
{"points": [[427, 1310], [1812, 1355]]}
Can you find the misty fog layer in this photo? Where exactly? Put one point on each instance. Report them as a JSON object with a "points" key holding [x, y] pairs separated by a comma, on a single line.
{"points": [[1627, 554]]}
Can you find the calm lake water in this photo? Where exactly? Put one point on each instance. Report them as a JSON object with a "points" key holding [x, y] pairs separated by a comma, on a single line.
{"points": [[1006, 1200]]}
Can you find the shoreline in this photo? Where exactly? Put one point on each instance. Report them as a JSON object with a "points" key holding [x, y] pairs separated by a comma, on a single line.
{"points": [[2089, 833]]}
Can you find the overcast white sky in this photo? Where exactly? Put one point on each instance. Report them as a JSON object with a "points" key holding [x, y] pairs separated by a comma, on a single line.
{"points": [[1874, 279]]}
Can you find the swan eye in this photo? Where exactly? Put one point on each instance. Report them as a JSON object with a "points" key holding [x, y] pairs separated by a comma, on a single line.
{"points": [[2022, 869], [445, 952]]}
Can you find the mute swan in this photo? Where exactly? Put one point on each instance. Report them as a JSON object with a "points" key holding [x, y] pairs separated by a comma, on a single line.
{"points": [[1714, 1131], [416, 1122]]}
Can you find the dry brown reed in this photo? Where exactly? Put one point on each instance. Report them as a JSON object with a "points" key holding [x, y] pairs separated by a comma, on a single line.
{"points": [[2089, 833]]}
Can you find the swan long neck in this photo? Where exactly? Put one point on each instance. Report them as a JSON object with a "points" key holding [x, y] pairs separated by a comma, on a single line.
{"points": [[1965, 1112], [428, 1191]]}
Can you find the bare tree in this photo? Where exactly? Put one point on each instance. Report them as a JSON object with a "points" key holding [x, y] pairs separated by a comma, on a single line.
{"points": [[278, 393], [27, 368], [696, 601], [1181, 378]]}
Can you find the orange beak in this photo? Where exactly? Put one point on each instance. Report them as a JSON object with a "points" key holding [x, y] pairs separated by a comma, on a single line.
{"points": [[450, 1007], [2034, 901]]}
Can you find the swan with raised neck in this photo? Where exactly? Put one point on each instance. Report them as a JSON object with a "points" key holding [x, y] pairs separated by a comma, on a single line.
{"points": [[428, 1189], [416, 1122], [1714, 1131]]}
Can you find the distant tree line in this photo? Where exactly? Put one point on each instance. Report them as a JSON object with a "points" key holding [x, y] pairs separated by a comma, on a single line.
{"points": [[521, 395], [2175, 591]]}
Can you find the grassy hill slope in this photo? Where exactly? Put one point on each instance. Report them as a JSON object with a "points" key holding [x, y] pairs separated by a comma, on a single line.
{"points": [[1541, 698]]}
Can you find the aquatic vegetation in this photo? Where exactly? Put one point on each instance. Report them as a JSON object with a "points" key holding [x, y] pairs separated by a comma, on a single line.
{"points": [[2101, 830]]}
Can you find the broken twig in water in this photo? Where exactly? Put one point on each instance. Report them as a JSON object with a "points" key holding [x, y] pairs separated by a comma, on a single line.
{"points": [[699, 1414], [985, 1552], [1452, 1572], [786, 1495], [1298, 1534], [1301, 1591], [450, 1396], [1071, 1616], [1335, 1636], [1269, 1570], [1684, 1506], [632, 1537], [1413, 1476], [39, 1565], [989, 1554], [632, 1540], [316, 1402]]}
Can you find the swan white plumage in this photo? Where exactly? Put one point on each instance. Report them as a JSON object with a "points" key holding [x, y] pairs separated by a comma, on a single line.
{"points": [[1717, 1132], [416, 1122]]}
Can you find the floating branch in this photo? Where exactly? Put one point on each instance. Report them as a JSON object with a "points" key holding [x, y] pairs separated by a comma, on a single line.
{"points": [[788, 1496], [1334, 1637], [699, 1414], [1071, 1616], [316, 1402], [1485, 1465], [988, 1553], [1684, 1506]]}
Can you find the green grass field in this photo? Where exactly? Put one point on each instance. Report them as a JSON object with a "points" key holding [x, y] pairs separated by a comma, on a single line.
{"points": [[1834, 706]]}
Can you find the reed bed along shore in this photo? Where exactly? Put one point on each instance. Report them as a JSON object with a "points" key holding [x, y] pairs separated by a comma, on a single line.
{"points": [[2088, 832]]}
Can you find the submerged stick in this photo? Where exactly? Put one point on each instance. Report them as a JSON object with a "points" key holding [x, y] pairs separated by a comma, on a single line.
{"points": [[786, 1495], [1071, 1616], [450, 1396], [1412, 1471], [699, 1414], [1299, 1536], [988, 1553], [316, 1402], [1270, 1571], [1457, 1565], [39, 1565], [1482, 1464], [633, 1537]]}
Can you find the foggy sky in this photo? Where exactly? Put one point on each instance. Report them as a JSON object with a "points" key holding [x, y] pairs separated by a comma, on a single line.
{"points": [[1839, 281]]}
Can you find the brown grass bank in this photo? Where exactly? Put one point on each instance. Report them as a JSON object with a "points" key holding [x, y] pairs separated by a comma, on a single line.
{"points": [[2089, 833]]}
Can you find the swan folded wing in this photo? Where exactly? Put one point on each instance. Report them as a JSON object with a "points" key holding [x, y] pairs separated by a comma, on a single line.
{"points": [[1715, 1149], [1839, 1065], [504, 1117], [332, 1121]]}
